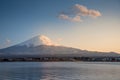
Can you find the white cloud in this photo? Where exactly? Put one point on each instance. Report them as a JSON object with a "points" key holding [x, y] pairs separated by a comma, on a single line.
{"points": [[76, 19], [63, 16], [8, 41], [84, 11], [72, 19], [79, 11], [47, 41]]}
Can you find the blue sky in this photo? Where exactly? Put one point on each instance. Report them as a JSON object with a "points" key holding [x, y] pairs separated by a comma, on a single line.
{"points": [[23, 19]]}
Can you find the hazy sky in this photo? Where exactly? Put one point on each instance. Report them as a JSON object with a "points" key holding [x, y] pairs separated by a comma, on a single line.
{"points": [[85, 24]]}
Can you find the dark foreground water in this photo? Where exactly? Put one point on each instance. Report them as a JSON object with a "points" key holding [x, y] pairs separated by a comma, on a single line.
{"points": [[59, 71]]}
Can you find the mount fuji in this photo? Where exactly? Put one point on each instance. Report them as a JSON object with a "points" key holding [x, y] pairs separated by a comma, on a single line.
{"points": [[35, 41], [42, 46]]}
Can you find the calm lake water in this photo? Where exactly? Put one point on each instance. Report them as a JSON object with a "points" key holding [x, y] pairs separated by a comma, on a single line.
{"points": [[59, 71]]}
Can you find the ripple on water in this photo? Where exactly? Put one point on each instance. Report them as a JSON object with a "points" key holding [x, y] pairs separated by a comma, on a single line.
{"points": [[59, 71]]}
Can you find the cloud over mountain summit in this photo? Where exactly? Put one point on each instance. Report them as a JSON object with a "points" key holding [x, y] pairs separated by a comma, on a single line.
{"points": [[46, 41]]}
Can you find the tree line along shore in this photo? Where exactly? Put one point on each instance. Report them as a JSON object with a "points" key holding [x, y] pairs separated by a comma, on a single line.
{"points": [[51, 59]]}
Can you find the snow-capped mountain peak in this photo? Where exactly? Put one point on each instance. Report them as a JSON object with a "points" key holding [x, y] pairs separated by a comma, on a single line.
{"points": [[35, 41], [38, 40]]}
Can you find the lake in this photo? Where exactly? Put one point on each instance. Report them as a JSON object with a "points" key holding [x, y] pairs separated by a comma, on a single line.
{"points": [[59, 71]]}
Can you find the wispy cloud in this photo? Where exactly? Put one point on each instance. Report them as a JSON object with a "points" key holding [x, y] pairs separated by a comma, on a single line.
{"points": [[8, 41], [72, 19], [79, 11], [5, 43], [47, 41]]}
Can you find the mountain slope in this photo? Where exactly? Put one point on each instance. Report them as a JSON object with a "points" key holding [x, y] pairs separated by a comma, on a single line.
{"points": [[35, 48]]}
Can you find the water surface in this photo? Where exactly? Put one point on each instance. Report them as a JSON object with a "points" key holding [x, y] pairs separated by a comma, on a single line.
{"points": [[59, 71]]}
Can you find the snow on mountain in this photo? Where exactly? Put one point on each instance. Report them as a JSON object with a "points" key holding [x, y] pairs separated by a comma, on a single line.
{"points": [[35, 41], [38, 40]]}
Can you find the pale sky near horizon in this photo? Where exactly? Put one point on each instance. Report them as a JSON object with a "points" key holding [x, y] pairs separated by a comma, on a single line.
{"points": [[85, 24]]}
